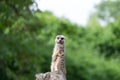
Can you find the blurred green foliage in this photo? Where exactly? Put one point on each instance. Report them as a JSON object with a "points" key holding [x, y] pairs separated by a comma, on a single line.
{"points": [[108, 10], [27, 40]]}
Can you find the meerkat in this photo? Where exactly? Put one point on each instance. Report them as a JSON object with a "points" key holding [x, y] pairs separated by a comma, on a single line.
{"points": [[58, 56]]}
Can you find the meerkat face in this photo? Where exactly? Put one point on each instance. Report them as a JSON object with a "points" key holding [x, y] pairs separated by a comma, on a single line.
{"points": [[60, 39]]}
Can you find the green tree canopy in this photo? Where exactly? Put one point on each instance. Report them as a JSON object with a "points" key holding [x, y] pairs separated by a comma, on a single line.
{"points": [[108, 10]]}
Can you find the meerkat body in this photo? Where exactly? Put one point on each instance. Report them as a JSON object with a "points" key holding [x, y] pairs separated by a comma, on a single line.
{"points": [[58, 56]]}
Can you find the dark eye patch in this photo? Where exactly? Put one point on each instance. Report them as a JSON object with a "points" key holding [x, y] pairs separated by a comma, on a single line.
{"points": [[57, 37], [62, 38]]}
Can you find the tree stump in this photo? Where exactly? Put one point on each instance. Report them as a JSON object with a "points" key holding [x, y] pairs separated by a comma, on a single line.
{"points": [[50, 76]]}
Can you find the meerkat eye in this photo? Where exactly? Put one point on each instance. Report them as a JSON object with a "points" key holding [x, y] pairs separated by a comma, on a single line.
{"points": [[57, 37], [62, 38]]}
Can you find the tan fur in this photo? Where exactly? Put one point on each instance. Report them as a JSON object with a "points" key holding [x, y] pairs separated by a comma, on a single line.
{"points": [[58, 57]]}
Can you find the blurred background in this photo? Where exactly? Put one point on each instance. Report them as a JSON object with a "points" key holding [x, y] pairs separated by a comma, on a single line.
{"points": [[28, 29]]}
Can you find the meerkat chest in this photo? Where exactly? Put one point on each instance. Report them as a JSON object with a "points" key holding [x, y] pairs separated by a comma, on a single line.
{"points": [[60, 52], [59, 48]]}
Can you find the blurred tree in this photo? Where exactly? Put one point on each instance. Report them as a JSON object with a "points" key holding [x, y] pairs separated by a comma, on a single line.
{"points": [[27, 39], [108, 10], [16, 34], [93, 19], [10, 11]]}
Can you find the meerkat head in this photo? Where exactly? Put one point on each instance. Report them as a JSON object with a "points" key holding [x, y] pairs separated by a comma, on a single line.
{"points": [[60, 39]]}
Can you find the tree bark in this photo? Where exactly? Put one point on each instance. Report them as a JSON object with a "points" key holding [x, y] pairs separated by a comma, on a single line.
{"points": [[50, 76]]}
